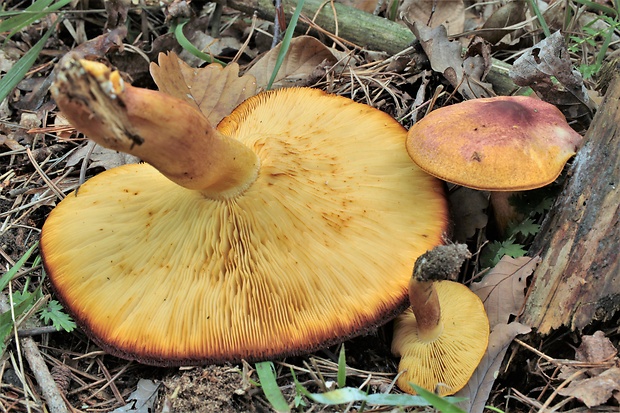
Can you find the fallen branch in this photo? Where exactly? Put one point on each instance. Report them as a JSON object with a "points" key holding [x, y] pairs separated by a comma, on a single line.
{"points": [[578, 280], [363, 29], [30, 350]]}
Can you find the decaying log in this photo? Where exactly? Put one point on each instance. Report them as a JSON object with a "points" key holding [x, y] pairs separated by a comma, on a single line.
{"points": [[578, 280], [361, 28]]}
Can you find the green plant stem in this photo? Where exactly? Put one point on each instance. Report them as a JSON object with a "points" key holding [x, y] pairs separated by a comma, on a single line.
{"points": [[19, 69], [540, 17], [177, 29], [286, 41]]}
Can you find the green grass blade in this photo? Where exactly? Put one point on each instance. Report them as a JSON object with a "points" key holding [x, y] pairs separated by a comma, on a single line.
{"points": [[298, 386], [8, 276], [602, 53], [267, 376], [286, 42], [540, 17], [342, 368], [19, 69], [495, 409], [351, 394], [20, 20], [609, 11], [189, 46], [439, 403], [29, 15], [6, 319]]}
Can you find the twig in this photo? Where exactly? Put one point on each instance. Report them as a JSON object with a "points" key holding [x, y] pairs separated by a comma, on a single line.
{"points": [[29, 332], [556, 390], [42, 174], [49, 388], [108, 376], [277, 23], [31, 353], [247, 40]]}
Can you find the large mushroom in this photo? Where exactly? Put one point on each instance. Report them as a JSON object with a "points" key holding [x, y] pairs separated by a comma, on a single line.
{"points": [[290, 226]]}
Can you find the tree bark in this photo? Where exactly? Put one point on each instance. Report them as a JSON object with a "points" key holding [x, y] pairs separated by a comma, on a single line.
{"points": [[578, 280], [361, 28]]}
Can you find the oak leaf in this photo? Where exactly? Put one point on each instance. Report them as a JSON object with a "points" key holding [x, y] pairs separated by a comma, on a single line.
{"points": [[305, 55], [214, 90], [502, 290]]}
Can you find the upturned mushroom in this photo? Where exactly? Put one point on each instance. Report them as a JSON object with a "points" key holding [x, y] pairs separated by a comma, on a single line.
{"points": [[443, 336], [288, 227], [500, 144]]}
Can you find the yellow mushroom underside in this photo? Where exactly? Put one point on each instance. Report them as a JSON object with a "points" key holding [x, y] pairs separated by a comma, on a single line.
{"points": [[319, 248], [445, 363]]}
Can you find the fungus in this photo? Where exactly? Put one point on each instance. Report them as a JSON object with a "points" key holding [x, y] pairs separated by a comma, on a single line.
{"points": [[442, 337], [505, 143], [288, 227]]}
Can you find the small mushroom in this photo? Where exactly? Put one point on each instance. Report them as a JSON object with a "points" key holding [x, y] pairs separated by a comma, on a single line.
{"points": [[505, 143], [442, 337], [288, 227]]}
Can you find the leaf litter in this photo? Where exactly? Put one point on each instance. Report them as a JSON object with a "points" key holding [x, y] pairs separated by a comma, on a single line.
{"points": [[102, 384]]}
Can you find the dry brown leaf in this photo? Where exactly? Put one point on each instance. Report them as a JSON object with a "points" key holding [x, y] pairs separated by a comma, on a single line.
{"points": [[12, 144], [215, 90], [480, 384], [548, 69], [502, 290], [594, 391], [446, 57], [507, 15], [212, 46], [433, 13], [60, 122], [101, 157], [6, 61], [365, 5], [305, 55], [98, 47], [595, 349]]}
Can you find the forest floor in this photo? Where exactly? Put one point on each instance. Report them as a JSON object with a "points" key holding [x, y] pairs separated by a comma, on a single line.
{"points": [[42, 159]]}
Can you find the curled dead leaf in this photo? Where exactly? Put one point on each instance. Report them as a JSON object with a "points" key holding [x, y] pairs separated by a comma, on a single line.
{"points": [[450, 14], [499, 23], [547, 68], [305, 55], [446, 57], [595, 391]]}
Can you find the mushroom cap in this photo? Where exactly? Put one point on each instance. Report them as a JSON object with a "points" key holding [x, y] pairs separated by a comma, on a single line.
{"points": [[446, 363], [505, 143], [318, 249]]}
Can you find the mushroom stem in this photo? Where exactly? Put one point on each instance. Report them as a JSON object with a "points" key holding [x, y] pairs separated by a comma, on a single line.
{"points": [[441, 263], [425, 306], [162, 130]]}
